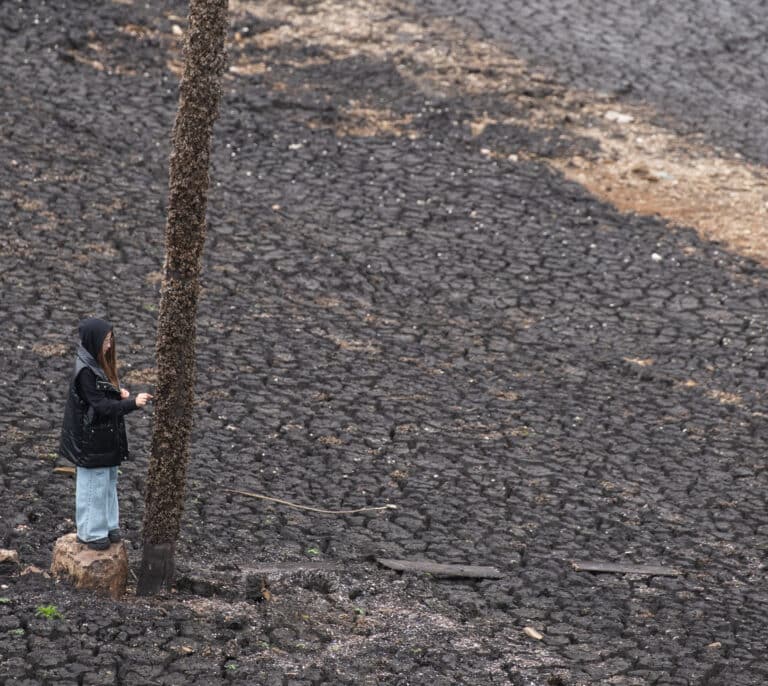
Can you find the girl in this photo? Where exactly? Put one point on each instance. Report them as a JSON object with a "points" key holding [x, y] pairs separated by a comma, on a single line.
{"points": [[93, 436]]}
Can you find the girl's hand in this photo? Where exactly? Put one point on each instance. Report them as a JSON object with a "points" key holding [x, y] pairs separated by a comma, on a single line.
{"points": [[142, 399], [124, 393]]}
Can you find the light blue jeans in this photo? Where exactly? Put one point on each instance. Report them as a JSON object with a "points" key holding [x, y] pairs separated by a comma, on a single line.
{"points": [[96, 509]]}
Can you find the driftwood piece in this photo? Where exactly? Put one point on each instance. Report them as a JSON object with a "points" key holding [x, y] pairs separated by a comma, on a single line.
{"points": [[437, 569], [611, 568]]}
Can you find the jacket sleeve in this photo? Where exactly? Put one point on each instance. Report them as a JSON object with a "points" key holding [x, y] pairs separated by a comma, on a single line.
{"points": [[98, 400]]}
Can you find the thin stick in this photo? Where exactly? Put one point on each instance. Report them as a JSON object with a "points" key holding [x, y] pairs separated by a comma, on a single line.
{"points": [[310, 509]]}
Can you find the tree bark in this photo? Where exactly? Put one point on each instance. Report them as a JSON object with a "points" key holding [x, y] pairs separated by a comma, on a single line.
{"points": [[199, 97]]}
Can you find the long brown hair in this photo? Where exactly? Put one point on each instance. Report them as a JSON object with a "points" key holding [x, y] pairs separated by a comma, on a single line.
{"points": [[108, 361]]}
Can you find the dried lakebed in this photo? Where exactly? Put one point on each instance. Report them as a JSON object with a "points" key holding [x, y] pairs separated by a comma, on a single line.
{"points": [[401, 305]]}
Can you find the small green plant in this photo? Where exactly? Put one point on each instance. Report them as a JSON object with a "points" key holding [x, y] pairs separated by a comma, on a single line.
{"points": [[48, 612], [16, 632], [5, 601], [360, 612], [313, 551], [231, 666]]}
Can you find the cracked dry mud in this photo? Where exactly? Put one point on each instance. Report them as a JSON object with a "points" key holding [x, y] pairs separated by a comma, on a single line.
{"points": [[497, 264]]}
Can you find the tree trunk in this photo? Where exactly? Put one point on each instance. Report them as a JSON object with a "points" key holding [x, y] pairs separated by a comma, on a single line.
{"points": [[200, 93]]}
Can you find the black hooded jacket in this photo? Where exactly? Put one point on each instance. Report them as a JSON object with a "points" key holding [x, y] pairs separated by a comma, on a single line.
{"points": [[93, 434]]}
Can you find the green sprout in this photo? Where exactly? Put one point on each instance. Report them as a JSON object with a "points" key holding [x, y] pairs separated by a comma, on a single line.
{"points": [[231, 666], [16, 632], [5, 601], [48, 612], [313, 551]]}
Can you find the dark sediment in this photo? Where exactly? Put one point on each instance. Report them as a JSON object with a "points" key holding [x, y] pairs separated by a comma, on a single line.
{"points": [[384, 319]]}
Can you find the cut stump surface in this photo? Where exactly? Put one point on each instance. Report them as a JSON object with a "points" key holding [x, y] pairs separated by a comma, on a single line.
{"points": [[104, 571]]}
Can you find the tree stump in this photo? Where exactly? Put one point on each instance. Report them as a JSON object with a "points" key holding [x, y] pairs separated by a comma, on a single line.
{"points": [[104, 571]]}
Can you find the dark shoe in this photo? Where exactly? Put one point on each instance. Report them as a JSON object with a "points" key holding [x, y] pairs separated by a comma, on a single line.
{"points": [[115, 536], [98, 544]]}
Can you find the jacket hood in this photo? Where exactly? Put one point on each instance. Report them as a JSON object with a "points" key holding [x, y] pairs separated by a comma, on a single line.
{"points": [[93, 331]]}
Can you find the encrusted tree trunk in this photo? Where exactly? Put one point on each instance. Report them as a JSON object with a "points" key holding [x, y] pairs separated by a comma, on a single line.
{"points": [[200, 93]]}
